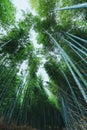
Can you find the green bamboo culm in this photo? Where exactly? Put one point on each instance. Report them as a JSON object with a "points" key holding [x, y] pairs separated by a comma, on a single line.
{"points": [[43, 59]]}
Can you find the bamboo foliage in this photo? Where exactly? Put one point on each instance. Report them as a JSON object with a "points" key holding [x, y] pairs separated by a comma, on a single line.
{"points": [[25, 99]]}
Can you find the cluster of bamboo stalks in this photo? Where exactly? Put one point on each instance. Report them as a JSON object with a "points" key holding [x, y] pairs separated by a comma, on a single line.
{"points": [[12, 126]]}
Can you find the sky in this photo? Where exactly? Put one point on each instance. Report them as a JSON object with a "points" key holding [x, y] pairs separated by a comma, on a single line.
{"points": [[41, 70], [25, 6], [22, 5]]}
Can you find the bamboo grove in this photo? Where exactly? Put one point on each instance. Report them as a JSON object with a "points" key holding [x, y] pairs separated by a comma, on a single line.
{"points": [[25, 98]]}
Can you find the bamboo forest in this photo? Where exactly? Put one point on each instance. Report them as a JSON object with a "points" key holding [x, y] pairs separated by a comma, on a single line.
{"points": [[43, 64]]}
